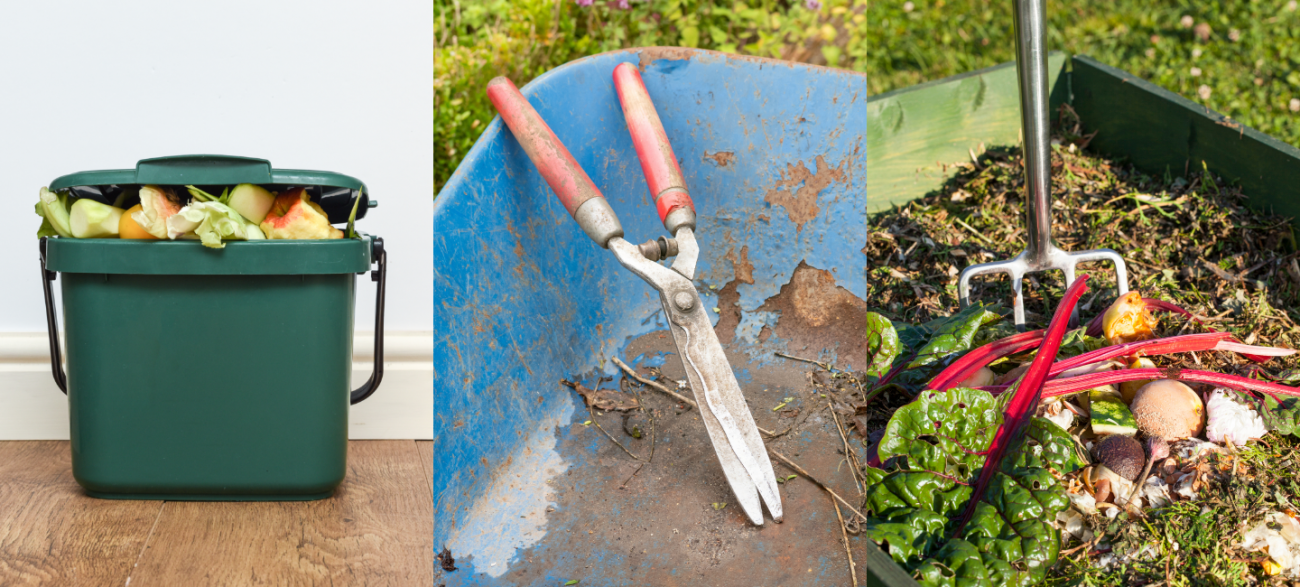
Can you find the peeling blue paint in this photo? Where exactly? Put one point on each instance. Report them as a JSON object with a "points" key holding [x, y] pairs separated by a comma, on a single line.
{"points": [[522, 298]]}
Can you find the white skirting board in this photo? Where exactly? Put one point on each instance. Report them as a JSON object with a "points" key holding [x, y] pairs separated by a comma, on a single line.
{"points": [[33, 408]]}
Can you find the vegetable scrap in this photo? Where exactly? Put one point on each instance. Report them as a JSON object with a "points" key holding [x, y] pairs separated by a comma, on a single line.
{"points": [[1154, 442], [241, 212]]}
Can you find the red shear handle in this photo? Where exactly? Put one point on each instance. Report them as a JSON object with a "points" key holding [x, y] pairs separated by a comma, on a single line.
{"points": [[657, 160], [557, 166]]}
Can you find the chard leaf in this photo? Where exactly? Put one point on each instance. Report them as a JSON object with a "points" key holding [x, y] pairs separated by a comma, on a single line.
{"points": [[971, 492], [912, 337], [953, 334], [924, 346], [1077, 342], [882, 344], [1282, 417], [994, 332], [1289, 377], [915, 503]]}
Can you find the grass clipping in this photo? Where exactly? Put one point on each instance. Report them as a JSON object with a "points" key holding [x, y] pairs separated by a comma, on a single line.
{"points": [[1188, 237]]}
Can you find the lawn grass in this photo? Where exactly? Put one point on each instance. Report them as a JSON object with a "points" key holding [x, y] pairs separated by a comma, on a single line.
{"points": [[476, 40], [1238, 58]]}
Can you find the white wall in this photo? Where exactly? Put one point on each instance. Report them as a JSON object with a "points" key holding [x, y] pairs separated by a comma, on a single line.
{"points": [[333, 85]]}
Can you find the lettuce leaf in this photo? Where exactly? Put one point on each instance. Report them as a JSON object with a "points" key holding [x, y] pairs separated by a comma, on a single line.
{"points": [[212, 222]]}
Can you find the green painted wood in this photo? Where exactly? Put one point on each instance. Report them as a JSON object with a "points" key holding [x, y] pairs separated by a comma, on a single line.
{"points": [[916, 134], [882, 572], [1158, 130]]}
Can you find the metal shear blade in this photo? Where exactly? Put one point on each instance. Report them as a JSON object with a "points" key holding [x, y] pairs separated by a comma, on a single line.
{"points": [[731, 427]]}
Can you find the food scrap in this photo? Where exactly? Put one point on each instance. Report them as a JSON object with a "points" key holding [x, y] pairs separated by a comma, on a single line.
{"points": [[242, 212]]}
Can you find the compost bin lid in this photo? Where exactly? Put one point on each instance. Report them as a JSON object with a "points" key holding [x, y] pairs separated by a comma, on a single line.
{"points": [[334, 192]]}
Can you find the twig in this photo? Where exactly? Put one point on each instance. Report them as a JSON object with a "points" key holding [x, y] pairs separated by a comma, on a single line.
{"points": [[796, 468], [1232, 450], [858, 382], [649, 416], [848, 453], [573, 386], [973, 231], [771, 435], [853, 571], [655, 384], [825, 366], [608, 435], [1142, 480], [629, 479], [679, 397], [1084, 546]]}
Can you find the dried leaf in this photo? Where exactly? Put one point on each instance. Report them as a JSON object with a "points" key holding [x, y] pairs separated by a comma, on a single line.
{"points": [[608, 400]]}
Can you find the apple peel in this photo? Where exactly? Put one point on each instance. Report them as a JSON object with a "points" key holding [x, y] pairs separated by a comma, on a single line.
{"points": [[294, 216]]}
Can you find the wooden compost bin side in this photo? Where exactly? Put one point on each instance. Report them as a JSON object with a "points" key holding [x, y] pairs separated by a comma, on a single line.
{"points": [[1159, 131], [915, 135], [882, 572]]}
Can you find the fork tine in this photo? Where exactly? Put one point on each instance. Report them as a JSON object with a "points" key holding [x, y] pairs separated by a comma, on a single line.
{"points": [[1121, 270], [1018, 304]]}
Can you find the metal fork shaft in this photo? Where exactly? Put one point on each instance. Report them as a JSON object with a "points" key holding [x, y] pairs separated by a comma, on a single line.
{"points": [[1031, 67], [1041, 252]]}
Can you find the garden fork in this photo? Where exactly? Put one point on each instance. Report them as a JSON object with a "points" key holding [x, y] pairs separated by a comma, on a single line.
{"points": [[1041, 253]]}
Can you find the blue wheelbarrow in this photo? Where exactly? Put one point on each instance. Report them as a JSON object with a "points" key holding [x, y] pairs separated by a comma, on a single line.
{"points": [[536, 484]]}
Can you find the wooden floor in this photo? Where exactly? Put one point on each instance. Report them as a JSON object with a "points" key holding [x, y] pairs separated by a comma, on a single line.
{"points": [[376, 530]]}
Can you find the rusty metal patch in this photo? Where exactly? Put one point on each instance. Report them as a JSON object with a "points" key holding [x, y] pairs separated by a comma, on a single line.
{"points": [[798, 189]]}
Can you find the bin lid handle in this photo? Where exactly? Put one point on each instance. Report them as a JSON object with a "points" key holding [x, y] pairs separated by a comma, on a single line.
{"points": [[202, 169]]}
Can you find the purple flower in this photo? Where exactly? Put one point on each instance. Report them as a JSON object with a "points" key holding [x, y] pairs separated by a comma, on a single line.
{"points": [[622, 4], [813, 4], [583, 2]]}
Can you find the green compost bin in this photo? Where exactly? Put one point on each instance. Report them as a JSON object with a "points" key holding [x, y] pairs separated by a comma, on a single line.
{"points": [[210, 374]]}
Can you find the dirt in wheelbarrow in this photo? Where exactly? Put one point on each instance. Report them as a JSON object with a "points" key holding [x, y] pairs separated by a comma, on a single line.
{"points": [[1189, 238], [657, 502]]}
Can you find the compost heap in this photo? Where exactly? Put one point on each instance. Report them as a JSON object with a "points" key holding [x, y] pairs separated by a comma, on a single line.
{"points": [[1208, 322]]}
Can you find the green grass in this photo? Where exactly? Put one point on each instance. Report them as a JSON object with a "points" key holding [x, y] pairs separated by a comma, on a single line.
{"points": [[1207, 532], [1248, 66], [476, 40]]}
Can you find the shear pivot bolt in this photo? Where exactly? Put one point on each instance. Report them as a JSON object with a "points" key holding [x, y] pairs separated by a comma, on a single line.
{"points": [[684, 301]]}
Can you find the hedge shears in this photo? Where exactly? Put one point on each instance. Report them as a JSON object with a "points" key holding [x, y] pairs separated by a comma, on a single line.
{"points": [[731, 427]]}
